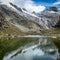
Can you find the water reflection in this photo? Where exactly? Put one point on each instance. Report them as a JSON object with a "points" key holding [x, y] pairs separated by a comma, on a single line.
{"points": [[45, 57], [41, 49]]}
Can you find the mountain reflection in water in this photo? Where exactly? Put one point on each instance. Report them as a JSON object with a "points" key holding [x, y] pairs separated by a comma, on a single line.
{"points": [[44, 49], [45, 57]]}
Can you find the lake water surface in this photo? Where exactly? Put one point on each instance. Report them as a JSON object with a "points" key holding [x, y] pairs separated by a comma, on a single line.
{"points": [[41, 49]]}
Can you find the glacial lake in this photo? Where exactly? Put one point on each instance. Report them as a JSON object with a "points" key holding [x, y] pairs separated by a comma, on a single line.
{"points": [[41, 48]]}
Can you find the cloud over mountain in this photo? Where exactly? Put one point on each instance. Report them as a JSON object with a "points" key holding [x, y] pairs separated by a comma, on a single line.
{"points": [[27, 4], [6, 1]]}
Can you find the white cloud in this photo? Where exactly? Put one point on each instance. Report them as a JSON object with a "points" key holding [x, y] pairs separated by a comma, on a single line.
{"points": [[29, 5], [57, 3], [6, 1], [32, 7]]}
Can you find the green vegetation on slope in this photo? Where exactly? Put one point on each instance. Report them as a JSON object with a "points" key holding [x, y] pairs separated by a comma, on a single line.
{"points": [[11, 29], [52, 32]]}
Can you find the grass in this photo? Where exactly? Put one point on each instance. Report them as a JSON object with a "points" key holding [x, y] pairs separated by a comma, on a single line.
{"points": [[10, 30], [52, 32]]}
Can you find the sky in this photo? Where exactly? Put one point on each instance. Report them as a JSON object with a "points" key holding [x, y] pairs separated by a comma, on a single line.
{"points": [[34, 5]]}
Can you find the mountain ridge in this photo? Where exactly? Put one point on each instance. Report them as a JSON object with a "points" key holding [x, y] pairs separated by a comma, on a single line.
{"points": [[30, 22]]}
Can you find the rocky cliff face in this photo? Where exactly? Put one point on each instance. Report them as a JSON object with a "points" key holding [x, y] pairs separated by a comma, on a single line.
{"points": [[26, 21], [46, 20], [53, 15], [16, 18]]}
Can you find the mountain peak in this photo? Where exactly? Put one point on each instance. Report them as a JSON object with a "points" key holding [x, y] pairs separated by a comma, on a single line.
{"points": [[18, 8], [24, 9], [53, 9]]}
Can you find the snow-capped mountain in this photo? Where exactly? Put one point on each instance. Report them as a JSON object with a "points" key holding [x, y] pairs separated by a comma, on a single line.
{"points": [[27, 21], [43, 21]]}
